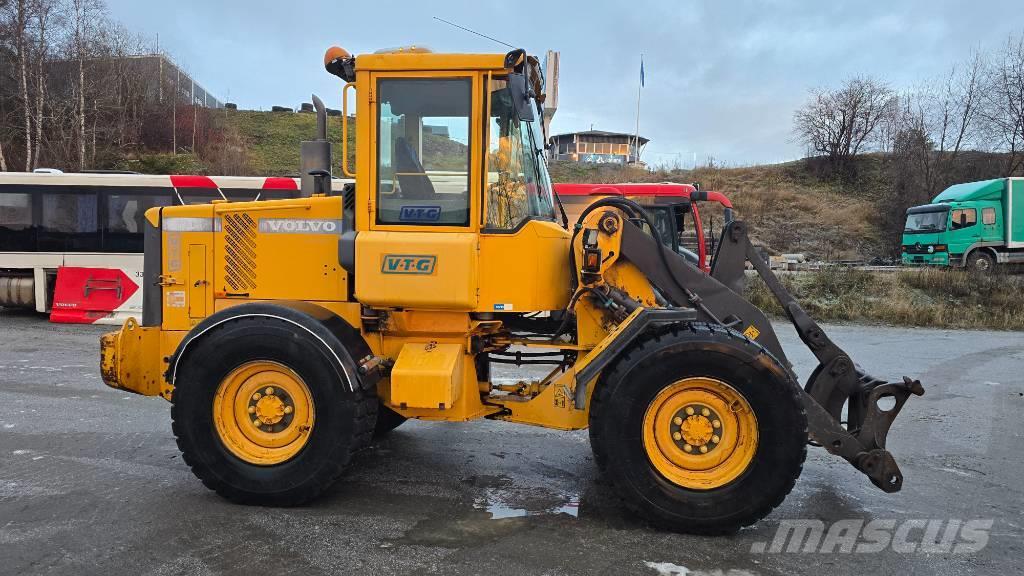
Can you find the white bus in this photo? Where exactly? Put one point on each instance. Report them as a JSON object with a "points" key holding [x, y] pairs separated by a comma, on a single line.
{"points": [[89, 228]]}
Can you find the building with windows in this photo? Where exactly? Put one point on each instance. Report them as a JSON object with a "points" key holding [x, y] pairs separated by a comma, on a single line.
{"points": [[598, 147]]}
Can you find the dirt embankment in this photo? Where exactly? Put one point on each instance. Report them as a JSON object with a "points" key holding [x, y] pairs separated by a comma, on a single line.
{"points": [[788, 209]]}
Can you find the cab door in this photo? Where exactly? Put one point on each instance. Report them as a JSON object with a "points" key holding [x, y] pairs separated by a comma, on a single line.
{"points": [[964, 230], [420, 248]]}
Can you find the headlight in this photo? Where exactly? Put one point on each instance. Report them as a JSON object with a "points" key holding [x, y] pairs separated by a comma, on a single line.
{"points": [[931, 249]]}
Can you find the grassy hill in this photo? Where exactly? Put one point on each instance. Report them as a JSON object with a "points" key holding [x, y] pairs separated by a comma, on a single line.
{"points": [[272, 138]]}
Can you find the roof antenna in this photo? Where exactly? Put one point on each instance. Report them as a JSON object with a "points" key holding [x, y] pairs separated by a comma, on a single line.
{"points": [[474, 32]]}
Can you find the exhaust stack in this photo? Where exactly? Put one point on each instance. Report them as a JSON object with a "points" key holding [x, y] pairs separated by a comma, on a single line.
{"points": [[316, 157]]}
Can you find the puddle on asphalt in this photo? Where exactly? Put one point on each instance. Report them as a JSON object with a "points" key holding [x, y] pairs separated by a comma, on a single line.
{"points": [[496, 511], [503, 503]]}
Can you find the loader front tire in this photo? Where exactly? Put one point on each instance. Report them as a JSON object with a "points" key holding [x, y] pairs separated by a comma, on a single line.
{"points": [[699, 429], [261, 415]]}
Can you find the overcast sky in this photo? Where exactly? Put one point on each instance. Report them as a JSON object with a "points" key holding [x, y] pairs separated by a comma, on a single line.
{"points": [[722, 77]]}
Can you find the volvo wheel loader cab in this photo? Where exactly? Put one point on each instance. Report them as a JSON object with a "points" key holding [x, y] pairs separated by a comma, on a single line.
{"points": [[286, 333]]}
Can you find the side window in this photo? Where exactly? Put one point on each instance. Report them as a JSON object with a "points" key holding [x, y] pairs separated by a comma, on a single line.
{"points": [[16, 231], [517, 187], [423, 151], [15, 211], [988, 216], [126, 212], [963, 218], [69, 223], [126, 220]]}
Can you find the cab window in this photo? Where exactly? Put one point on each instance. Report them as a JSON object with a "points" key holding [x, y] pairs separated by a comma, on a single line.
{"points": [[988, 216], [963, 218], [518, 187], [423, 151]]}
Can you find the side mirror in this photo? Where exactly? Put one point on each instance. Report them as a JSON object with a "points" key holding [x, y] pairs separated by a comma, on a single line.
{"points": [[520, 91]]}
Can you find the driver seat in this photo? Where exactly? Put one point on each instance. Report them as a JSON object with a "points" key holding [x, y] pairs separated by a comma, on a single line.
{"points": [[412, 178]]}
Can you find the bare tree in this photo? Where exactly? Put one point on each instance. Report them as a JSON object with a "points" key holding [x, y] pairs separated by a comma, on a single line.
{"points": [[17, 16], [841, 123], [43, 10], [1002, 108], [4, 35], [934, 124], [85, 16], [955, 105]]}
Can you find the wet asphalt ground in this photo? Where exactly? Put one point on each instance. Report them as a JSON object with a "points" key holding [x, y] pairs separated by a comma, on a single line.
{"points": [[91, 483]]}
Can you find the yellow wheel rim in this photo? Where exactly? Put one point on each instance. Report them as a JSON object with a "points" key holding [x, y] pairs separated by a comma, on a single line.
{"points": [[263, 413], [700, 433]]}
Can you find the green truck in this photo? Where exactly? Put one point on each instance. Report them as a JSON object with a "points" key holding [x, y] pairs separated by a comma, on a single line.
{"points": [[976, 225]]}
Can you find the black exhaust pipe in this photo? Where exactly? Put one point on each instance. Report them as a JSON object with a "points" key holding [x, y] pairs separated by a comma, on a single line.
{"points": [[316, 156]]}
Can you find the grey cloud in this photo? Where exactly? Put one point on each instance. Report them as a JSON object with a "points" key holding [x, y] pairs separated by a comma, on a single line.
{"points": [[723, 77]]}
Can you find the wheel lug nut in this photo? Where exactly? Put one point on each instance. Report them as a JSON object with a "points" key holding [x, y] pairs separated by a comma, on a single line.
{"points": [[256, 396], [716, 439], [703, 449], [677, 421], [687, 448], [716, 424], [689, 410], [677, 436], [705, 412], [287, 409], [257, 423], [269, 391], [252, 409]]}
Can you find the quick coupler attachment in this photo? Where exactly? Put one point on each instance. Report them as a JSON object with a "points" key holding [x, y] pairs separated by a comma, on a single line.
{"points": [[871, 409]]}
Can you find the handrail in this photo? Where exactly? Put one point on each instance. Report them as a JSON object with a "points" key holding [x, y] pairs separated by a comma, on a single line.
{"points": [[344, 131]]}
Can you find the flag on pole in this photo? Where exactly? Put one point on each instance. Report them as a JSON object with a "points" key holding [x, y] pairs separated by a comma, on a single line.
{"points": [[641, 70]]}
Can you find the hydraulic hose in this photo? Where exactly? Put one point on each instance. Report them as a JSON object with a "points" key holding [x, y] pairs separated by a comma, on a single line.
{"points": [[634, 210]]}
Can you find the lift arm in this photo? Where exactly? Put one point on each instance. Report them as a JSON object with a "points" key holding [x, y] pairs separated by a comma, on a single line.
{"points": [[836, 382]]}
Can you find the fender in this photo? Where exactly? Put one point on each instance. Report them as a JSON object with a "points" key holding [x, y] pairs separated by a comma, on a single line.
{"points": [[962, 260], [344, 344]]}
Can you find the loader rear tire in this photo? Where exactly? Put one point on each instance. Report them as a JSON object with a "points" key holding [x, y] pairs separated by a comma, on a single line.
{"points": [[261, 367], [699, 429]]}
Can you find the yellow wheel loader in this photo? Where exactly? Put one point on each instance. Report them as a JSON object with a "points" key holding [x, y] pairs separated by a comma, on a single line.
{"points": [[287, 333]]}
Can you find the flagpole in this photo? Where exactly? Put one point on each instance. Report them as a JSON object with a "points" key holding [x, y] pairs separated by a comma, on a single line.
{"points": [[636, 141]]}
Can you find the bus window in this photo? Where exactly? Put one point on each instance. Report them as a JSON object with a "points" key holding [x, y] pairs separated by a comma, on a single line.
{"points": [[126, 220], [15, 211], [16, 222], [69, 223]]}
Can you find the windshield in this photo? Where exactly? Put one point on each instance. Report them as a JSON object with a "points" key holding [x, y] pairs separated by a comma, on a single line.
{"points": [[663, 217], [518, 185], [926, 222]]}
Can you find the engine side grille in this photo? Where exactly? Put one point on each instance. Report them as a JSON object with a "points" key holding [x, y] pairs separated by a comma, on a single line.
{"points": [[240, 251]]}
